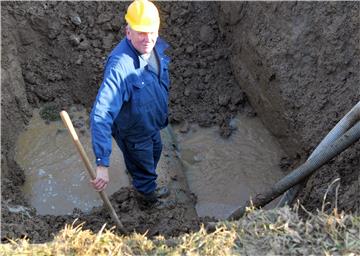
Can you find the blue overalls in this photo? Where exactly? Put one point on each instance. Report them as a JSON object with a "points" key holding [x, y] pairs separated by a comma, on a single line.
{"points": [[132, 106]]}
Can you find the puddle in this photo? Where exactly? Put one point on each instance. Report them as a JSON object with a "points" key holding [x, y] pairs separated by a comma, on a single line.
{"points": [[56, 178], [224, 173]]}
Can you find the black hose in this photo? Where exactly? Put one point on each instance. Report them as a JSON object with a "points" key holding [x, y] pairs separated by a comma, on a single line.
{"points": [[339, 129], [300, 173]]}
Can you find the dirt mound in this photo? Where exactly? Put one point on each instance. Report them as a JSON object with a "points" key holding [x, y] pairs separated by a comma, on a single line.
{"points": [[173, 220]]}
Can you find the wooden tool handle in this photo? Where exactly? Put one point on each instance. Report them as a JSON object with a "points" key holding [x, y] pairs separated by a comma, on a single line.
{"points": [[67, 121]]}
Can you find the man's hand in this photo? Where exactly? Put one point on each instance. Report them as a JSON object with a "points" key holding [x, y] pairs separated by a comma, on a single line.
{"points": [[102, 178]]}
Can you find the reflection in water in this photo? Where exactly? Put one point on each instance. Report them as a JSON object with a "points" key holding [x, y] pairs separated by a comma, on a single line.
{"points": [[224, 173], [56, 178]]}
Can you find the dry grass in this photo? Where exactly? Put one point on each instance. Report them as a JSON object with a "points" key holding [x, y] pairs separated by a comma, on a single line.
{"points": [[260, 232]]}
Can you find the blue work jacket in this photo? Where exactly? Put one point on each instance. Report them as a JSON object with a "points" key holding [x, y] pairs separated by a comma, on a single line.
{"points": [[132, 102]]}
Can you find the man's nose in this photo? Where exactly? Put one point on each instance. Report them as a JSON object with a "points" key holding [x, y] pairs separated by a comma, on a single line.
{"points": [[147, 37]]}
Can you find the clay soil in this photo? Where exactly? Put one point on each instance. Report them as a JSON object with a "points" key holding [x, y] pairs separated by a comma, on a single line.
{"points": [[53, 52]]}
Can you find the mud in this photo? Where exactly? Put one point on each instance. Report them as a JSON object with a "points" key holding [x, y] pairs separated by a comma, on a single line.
{"points": [[55, 51], [299, 65], [52, 194]]}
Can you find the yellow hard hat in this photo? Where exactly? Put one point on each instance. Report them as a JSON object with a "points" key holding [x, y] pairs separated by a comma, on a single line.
{"points": [[143, 16]]}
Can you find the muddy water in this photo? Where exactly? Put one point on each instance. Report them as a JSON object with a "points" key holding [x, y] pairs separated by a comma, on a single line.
{"points": [[56, 179], [224, 173]]}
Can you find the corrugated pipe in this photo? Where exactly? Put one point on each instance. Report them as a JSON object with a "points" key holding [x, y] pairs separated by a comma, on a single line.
{"points": [[339, 129], [300, 173]]}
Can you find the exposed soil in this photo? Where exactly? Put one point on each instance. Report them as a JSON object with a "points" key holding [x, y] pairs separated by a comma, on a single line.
{"points": [[299, 64], [171, 221], [55, 51]]}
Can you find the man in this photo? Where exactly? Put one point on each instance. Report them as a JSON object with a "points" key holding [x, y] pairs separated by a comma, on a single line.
{"points": [[132, 103]]}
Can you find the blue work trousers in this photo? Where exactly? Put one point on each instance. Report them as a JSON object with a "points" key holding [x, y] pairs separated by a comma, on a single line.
{"points": [[141, 159]]}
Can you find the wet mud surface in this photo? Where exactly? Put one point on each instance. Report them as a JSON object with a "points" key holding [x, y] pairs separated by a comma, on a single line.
{"points": [[23, 221]]}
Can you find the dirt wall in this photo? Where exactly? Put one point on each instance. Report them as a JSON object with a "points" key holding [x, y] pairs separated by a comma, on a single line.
{"points": [[15, 109], [298, 63]]}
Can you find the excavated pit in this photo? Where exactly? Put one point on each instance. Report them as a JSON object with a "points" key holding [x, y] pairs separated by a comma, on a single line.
{"points": [[53, 53]]}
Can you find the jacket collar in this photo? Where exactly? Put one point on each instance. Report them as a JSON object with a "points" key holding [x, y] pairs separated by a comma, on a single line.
{"points": [[160, 47]]}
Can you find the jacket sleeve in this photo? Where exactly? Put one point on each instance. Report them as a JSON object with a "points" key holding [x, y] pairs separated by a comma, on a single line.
{"points": [[106, 107]]}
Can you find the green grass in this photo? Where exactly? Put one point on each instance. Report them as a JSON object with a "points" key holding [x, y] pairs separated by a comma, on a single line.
{"points": [[259, 232]]}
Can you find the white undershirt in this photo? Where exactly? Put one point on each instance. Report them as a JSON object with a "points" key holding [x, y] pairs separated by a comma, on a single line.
{"points": [[152, 60]]}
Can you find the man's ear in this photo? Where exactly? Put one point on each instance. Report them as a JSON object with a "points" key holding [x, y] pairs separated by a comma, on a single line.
{"points": [[127, 31]]}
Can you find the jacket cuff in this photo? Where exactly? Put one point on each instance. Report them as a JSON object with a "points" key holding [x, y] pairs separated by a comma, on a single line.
{"points": [[103, 161]]}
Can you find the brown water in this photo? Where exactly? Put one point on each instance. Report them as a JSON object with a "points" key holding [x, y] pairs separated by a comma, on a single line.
{"points": [[224, 173], [56, 178]]}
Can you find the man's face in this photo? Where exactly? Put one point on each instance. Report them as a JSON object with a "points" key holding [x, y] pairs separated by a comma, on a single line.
{"points": [[143, 42]]}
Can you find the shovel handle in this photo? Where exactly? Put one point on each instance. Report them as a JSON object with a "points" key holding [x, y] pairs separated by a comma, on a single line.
{"points": [[67, 122]]}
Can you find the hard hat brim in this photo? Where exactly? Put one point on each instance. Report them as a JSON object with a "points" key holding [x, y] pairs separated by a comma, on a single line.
{"points": [[142, 28]]}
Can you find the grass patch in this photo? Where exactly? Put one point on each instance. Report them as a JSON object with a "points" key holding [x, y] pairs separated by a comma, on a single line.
{"points": [[271, 232]]}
